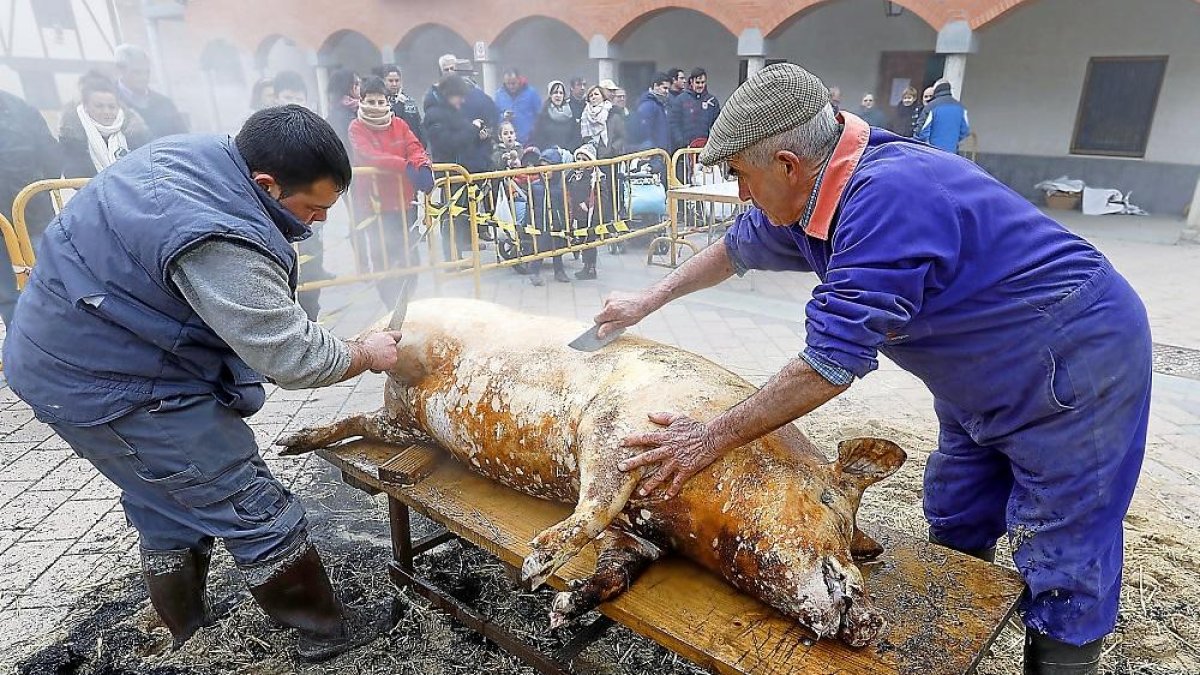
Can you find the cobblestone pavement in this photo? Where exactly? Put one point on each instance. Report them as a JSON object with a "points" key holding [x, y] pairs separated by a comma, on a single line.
{"points": [[62, 531]]}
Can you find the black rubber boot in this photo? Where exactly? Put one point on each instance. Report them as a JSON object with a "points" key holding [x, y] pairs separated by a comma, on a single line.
{"points": [[1046, 656], [560, 275], [588, 272], [536, 279], [984, 554], [176, 580], [298, 595]]}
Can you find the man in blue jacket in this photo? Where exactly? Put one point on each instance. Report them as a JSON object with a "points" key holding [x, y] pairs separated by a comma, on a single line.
{"points": [[650, 126], [1036, 350], [518, 98], [943, 123], [163, 297]]}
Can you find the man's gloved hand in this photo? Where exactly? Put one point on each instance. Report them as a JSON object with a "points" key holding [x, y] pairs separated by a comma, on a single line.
{"points": [[421, 177]]}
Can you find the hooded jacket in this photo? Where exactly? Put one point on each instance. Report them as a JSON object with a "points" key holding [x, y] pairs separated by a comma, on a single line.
{"points": [[650, 127], [944, 122], [524, 105]]}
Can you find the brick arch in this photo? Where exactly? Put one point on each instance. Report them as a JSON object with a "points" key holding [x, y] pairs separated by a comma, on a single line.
{"points": [[262, 50], [335, 40], [779, 17], [983, 12], [638, 14], [417, 29], [507, 31]]}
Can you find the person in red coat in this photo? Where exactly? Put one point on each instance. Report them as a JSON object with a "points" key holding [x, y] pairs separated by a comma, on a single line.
{"points": [[385, 202]]}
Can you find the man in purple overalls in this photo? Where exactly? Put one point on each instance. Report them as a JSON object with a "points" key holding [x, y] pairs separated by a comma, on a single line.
{"points": [[1036, 350]]}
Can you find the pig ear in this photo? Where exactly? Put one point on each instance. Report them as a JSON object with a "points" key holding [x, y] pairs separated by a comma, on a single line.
{"points": [[863, 547], [869, 460]]}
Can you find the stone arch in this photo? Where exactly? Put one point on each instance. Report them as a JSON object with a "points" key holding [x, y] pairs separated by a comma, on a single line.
{"points": [[349, 49], [526, 43], [886, 52], [677, 37], [784, 16]]}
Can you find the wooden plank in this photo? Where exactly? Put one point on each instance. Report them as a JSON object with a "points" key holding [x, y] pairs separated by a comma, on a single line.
{"points": [[944, 607], [412, 465]]}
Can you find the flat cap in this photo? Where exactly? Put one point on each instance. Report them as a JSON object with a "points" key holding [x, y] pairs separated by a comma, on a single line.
{"points": [[777, 98]]}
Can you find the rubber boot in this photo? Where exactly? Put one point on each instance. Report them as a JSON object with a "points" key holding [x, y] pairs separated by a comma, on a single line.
{"points": [[984, 554], [1046, 656], [299, 595], [588, 272], [176, 580], [536, 279]]}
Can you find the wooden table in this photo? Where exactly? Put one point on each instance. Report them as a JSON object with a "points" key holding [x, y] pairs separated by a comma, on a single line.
{"points": [[944, 608]]}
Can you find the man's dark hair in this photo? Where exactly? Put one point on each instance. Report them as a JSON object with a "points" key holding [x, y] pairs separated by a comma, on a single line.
{"points": [[697, 72], [373, 85], [511, 72], [453, 85], [674, 73], [295, 146], [290, 80], [578, 80], [341, 83], [660, 78], [386, 69]]}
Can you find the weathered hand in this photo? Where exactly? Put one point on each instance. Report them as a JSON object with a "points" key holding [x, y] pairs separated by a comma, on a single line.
{"points": [[621, 310], [681, 451]]}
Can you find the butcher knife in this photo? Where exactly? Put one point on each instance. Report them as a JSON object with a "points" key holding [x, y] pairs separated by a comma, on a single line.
{"points": [[590, 342]]}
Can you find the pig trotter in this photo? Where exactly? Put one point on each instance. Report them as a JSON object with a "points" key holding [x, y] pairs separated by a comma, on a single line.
{"points": [[623, 557], [377, 426]]}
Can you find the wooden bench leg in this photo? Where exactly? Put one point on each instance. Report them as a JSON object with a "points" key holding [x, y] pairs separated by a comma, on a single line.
{"points": [[401, 570]]}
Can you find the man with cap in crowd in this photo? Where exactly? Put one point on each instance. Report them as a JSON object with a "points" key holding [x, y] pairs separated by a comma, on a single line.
{"points": [[1036, 350], [477, 105], [944, 122], [144, 337], [133, 85]]}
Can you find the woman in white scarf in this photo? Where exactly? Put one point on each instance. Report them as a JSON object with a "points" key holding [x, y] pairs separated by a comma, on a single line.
{"points": [[593, 125], [98, 131]]}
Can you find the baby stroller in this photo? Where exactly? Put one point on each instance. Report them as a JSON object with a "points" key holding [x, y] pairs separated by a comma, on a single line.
{"points": [[646, 200]]}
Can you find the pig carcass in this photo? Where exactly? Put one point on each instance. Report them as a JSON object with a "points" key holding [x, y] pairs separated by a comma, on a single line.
{"points": [[503, 394]]}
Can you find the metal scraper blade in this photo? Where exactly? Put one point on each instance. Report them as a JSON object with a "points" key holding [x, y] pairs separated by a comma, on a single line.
{"points": [[590, 342]]}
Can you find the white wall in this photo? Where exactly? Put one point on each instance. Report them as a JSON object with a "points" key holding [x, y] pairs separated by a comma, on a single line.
{"points": [[680, 38], [840, 42], [1024, 85], [544, 50]]}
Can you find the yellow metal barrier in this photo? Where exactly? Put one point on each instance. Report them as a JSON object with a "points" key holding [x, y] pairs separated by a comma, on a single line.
{"points": [[12, 242], [452, 223], [55, 186], [699, 201]]}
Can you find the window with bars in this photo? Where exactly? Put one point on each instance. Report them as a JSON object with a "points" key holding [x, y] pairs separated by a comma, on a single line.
{"points": [[1116, 110]]}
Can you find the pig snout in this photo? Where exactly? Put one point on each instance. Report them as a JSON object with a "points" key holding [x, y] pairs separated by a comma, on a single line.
{"points": [[859, 623]]}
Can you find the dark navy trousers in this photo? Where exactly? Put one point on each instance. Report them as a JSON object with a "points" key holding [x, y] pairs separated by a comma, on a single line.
{"points": [[189, 471]]}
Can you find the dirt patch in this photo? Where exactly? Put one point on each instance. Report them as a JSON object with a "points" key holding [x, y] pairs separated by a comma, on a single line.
{"points": [[113, 631]]}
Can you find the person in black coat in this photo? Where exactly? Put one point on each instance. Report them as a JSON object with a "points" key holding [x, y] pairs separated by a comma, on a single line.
{"points": [[30, 154], [161, 116], [557, 125], [455, 139]]}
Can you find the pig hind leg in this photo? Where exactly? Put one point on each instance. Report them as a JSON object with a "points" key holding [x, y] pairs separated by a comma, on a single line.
{"points": [[622, 559], [376, 426]]}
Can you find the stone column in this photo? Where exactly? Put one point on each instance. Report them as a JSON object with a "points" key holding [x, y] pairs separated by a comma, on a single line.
{"points": [[956, 40], [1192, 231], [485, 57], [752, 46], [317, 100], [607, 56]]}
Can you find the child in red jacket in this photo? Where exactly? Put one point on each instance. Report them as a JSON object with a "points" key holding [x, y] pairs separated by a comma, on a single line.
{"points": [[383, 141]]}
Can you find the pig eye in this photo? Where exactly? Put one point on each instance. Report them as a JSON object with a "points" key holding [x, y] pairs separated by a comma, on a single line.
{"points": [[827, 497]]}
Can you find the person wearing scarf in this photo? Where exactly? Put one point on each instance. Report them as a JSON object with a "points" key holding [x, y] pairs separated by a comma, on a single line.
{"points": [[556, 125], [593, 124], [384, 201], [98, 131]]}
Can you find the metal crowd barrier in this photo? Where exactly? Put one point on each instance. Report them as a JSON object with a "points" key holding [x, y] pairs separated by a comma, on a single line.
{"points": [[523, 214], [700, 201]]}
